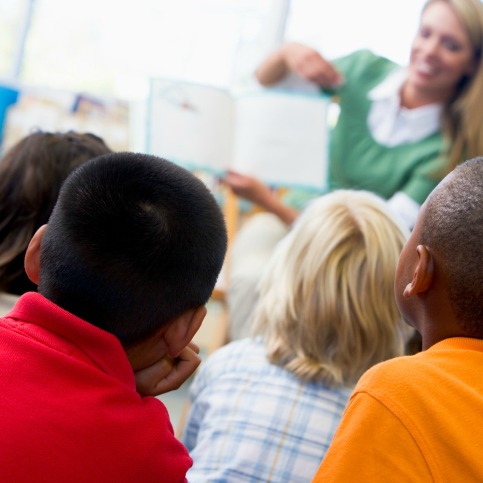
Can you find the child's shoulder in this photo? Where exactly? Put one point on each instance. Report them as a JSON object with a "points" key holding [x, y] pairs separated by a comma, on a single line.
{"points": [[240, 353], [394, 376], [431, 369], [243, 356]]}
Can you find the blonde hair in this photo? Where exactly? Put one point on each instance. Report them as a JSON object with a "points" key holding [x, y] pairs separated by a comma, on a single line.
{"points": [[463, 114], [326, 309]]}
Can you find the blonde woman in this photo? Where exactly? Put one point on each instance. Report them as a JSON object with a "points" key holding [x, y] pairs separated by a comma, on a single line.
{"points": [[400, 129], [268, 406]]}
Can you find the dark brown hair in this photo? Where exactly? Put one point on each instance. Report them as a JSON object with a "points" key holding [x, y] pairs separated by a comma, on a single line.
{"points": [[31, 174]]}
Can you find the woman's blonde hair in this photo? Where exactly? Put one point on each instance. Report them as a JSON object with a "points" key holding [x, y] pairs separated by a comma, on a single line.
{"points": [[326, 309], [463, 114]]}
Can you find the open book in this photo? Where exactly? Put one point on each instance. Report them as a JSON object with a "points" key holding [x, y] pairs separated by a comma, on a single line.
{"points": [[280, 137]]}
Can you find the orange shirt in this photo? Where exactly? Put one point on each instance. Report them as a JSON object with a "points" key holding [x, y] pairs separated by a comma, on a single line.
{"points": [[414, 418]]}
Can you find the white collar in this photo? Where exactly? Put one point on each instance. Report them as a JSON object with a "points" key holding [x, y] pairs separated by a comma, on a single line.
{"points": [[390, 86], [391, 124], [390, 90]]}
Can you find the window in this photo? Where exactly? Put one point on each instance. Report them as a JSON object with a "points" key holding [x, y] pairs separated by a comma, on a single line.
{"points": [[113, 47], [13, 18], [337, 28]]}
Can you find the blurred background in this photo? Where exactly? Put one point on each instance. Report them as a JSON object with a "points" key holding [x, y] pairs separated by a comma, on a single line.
{"points": [[89, 65], [96, 58]]}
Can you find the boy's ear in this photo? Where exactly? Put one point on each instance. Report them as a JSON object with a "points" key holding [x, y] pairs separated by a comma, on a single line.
{"points": [[180, 332], [32, 256], [423, 273]]}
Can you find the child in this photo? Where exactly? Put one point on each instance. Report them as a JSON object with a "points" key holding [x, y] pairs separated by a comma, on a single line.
{"points": [[31, 174], [418, 418], [124, 267], [400, 130], [267, 407]]}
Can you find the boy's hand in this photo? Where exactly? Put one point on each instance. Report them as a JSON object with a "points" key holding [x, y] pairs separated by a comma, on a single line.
{"points": [[168, 374]]}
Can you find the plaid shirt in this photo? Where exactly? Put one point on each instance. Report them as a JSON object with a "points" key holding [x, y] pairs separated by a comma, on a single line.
{"points": [[253, 421]]}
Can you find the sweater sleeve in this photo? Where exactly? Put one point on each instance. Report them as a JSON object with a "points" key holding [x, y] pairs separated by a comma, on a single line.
{"points": [[428, 174], [372, 444], [360, 65]]}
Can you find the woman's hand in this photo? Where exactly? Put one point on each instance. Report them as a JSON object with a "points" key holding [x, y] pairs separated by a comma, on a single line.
{"points": [[310, 65], [259, 193], [249, 188], [302, 60]]}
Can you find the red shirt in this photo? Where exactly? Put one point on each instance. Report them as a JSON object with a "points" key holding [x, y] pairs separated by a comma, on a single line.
{"points": [[69, 410]]}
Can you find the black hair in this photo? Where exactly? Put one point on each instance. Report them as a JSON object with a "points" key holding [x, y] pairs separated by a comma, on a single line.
{"points": [[453, 228], [134, 241]]}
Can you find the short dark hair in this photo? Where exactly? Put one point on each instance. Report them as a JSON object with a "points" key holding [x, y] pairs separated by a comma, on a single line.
{"points": [[453, 229], [134, 241], [31, 174]]}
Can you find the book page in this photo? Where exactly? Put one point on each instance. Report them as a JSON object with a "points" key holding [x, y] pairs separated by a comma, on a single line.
{"points": [[282, 138], [191, 124]]}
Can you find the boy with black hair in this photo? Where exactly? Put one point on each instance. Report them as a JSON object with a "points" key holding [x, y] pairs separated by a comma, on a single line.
{"points": [[418, 418], [124, 267]]}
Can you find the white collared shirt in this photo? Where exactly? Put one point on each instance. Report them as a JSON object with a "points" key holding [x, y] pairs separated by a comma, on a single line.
{"points": [[391, 125]]}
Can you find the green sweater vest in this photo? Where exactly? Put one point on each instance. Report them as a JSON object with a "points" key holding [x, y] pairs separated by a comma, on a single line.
{"points": [[357, 161]]}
